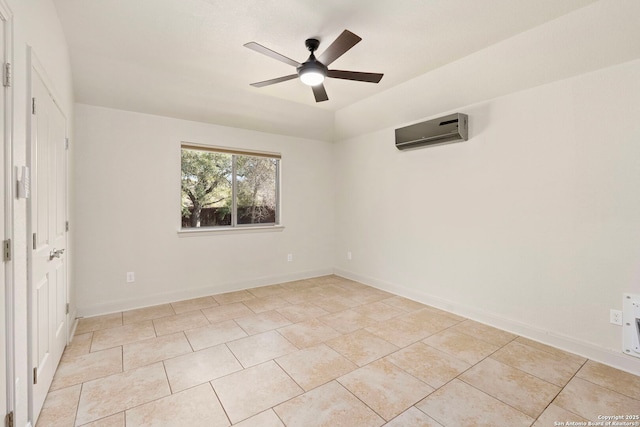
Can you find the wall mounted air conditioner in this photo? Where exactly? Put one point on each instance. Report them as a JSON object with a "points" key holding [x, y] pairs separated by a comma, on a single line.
{"points": [[443, 130]]}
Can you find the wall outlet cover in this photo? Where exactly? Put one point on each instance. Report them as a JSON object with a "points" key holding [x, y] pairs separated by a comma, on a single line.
{"points": [[615, 317]]}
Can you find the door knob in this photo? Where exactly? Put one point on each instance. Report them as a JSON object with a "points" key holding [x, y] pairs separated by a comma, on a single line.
{"points": [[55, 253]]}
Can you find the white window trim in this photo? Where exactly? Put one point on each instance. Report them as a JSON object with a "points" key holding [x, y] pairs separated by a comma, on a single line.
{"points": [[244, 228], [211, 231]]}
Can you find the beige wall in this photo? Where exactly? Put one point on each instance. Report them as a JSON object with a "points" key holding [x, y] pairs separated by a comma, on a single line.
{"points": [[531, 225], [127, 212]]}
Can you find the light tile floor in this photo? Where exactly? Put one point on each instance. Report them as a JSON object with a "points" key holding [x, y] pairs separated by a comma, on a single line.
{"points": [[321, 352]]}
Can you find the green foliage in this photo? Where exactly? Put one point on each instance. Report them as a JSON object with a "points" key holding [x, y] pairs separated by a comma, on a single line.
{"points": [[207, 183], [257, 188], [206, 179]]}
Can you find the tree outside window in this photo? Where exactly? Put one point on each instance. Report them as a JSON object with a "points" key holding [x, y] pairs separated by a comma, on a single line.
{"points": [[226, 188]]}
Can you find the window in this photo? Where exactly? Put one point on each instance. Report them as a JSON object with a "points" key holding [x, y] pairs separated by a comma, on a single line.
{"points": [[228, 188]]}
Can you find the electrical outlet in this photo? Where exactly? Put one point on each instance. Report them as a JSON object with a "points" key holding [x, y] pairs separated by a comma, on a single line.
{"points": [[131, 277], [349, 255], [290, 257], [615, 317]]}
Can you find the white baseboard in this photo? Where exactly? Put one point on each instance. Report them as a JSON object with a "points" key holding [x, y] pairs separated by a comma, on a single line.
{"points": [[563, 342], [167, 297]]}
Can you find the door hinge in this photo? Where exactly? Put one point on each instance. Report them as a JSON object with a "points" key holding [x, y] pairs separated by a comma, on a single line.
{"points": [[33, 105], [35, 241], [35, 375], [8, 419], [7, 75], [67, 308], [66, 143], [6, 250], [66, 226]]}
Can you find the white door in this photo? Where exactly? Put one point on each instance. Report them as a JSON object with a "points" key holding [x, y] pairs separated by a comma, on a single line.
{"points": [[48, 290]]}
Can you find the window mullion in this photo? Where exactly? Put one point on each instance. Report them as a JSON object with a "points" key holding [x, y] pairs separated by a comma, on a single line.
{"points": [[234, 192], [277, 189]]}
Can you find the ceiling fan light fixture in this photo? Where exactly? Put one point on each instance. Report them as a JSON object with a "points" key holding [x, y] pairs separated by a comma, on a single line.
{"points": [[312, 77], [312, 73]]}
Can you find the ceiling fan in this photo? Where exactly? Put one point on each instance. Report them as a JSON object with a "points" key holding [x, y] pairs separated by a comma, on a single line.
{"points": [[313, 71]]}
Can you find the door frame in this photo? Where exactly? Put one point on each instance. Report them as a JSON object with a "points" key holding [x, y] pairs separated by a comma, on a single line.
{"points": [[34, 65], [6, 16]]}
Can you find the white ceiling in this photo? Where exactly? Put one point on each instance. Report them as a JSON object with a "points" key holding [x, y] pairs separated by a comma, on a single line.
{"points": [[185, 58]]}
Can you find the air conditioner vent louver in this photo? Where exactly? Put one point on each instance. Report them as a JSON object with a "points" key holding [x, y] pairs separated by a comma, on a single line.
{"points": [[442, 130]]}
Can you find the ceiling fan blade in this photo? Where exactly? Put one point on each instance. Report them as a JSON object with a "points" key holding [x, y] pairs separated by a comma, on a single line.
{"points": [[355, 75], [343, 43], [274, 81], [320, 93], [270, 53]]}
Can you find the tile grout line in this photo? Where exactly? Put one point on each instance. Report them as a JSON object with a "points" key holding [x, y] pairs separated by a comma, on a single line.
{"points": [[498, 399], [472, 365], [361, 401], [219, 401], [373, 361], [493, 397], [561, 390], [188, 342], [75, 418], [461, 373], [600, 385], [166, 377]]}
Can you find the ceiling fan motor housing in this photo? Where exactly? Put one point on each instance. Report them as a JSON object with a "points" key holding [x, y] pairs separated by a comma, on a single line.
{"points": [[312, 66], [312, 44]]}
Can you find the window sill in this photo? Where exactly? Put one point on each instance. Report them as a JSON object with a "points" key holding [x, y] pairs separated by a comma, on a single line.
{"points": [[205, 231]]}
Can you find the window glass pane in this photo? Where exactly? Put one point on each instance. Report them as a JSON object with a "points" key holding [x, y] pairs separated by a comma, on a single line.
{"points": [[257, 196], [206, 189]]}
